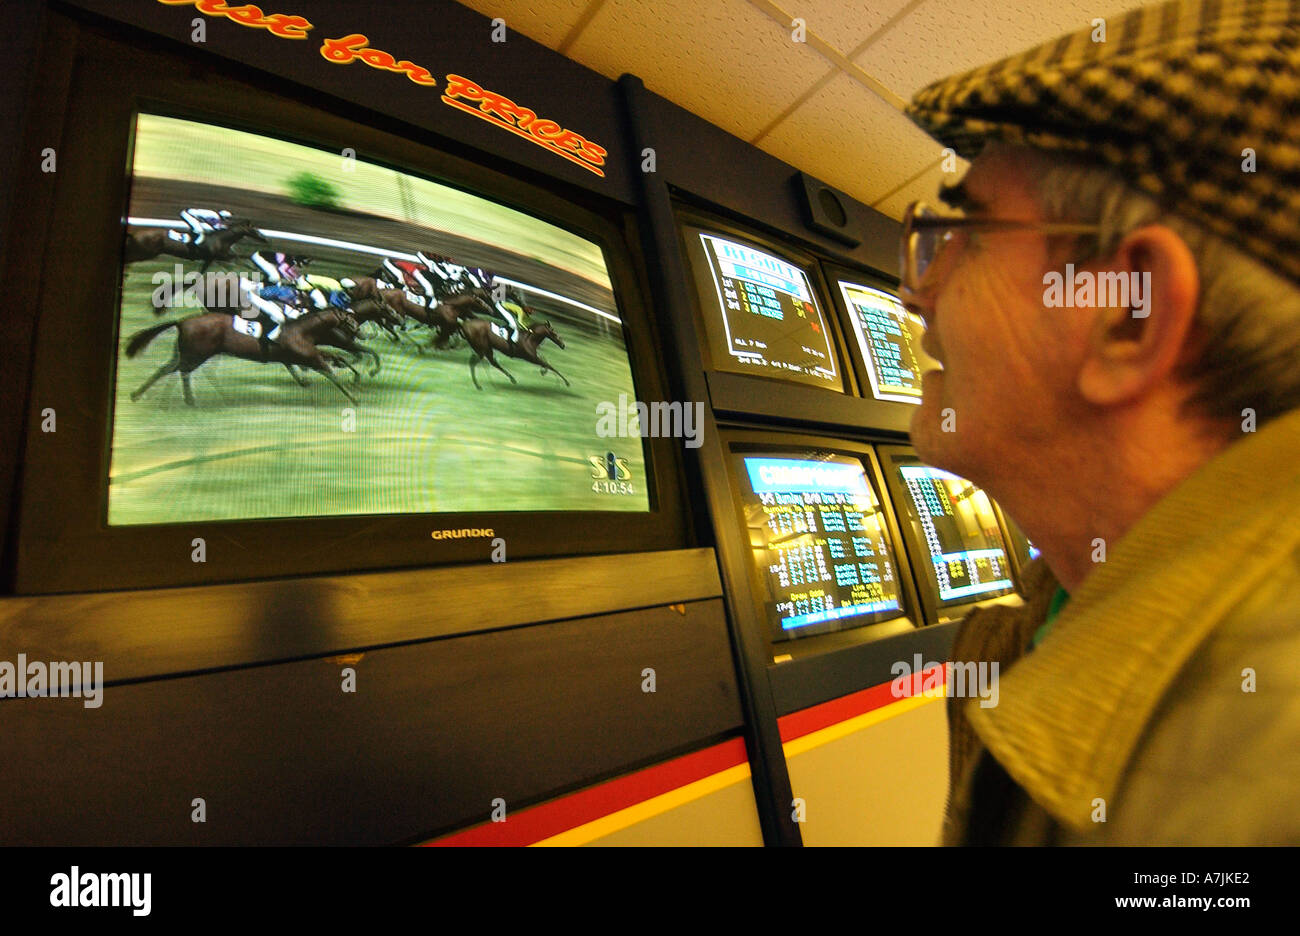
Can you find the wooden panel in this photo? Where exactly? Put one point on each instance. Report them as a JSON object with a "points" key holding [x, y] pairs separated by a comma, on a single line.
{"points": [[800, 683], [433, 732], [167, 631], [742, 395]]}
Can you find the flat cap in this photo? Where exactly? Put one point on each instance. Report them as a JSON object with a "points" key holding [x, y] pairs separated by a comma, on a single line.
{"points": [[1195, 102]]}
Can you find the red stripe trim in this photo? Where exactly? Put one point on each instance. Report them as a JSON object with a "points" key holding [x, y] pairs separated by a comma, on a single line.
{"points": [[583, 806], [806, 721]]}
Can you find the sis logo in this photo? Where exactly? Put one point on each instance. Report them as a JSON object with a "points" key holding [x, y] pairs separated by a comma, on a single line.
{"points": [[609, 467]]}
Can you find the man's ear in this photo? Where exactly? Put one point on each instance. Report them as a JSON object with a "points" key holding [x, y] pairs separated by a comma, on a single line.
{"points": [[1133, 347]]}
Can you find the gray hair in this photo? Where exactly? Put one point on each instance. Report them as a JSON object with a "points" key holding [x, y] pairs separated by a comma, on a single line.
{"points": [[1248, 320]]}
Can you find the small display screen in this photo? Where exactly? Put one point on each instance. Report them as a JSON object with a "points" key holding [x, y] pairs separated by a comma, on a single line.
{"points": [[954, 523], [889, 338], [819, 543], [761, 314]]}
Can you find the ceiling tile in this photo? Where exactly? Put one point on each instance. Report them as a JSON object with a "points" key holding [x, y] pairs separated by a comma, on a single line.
{"points": [[734, 63], [547, 22], [923, 188], [723, 60], [849, 138], [845, 24]]}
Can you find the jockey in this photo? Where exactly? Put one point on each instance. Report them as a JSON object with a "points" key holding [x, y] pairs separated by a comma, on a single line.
{"points": [[437, 265], [408, 275], [453, 272], [511, 308], [203, 220], [278, 303], [284, 302], [279, 267], [325, 292]]}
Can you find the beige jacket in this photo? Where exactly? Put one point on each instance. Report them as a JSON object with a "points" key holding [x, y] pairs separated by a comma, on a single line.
{"points": [[1166, 698]]}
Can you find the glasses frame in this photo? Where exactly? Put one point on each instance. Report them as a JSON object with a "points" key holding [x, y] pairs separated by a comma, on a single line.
{"points": [[919, 217]]}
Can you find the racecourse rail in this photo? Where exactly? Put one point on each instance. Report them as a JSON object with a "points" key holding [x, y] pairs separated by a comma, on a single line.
{"points": [[379, 252]]}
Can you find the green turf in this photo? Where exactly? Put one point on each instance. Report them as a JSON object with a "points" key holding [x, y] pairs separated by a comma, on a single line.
{"points": [[257, 445], [169, 148]]}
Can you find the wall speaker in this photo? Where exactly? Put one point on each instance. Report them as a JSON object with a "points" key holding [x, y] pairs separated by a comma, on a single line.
{"points": [[829, 210]]}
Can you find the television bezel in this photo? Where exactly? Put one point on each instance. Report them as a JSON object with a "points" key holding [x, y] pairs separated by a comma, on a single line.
{"points": [[890, 413], [740, 442], [936, 613], [63, 544], [742, 392]]}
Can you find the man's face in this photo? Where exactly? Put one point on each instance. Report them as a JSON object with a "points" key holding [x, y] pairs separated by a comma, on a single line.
{"points": [[1006, 358]]}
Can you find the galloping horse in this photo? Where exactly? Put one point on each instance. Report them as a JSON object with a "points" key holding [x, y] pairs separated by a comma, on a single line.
{"points": [[484, 341], [442, 317], [216, 245], [208, 334], [340, 337]]}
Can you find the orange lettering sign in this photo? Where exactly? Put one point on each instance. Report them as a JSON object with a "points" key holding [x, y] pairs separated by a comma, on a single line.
{"points": [[500, 110], [355, 47], [279, 24], [495, 108]]}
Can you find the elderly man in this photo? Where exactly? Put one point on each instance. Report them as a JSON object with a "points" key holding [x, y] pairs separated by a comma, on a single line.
{"points": [[1114, 294]]}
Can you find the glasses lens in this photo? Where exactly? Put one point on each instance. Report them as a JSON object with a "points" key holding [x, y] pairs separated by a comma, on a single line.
{"points": [[926, 243]]}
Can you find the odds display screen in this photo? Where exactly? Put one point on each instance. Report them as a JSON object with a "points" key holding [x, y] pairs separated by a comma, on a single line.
{"points": [[761, 315], [965, 557], [889, 339], [820, 547]]}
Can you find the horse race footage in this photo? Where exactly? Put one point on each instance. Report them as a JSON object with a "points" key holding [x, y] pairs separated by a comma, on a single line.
{"points": [[304, 333]]}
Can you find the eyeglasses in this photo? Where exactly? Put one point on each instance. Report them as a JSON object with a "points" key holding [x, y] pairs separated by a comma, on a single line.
{"points": [[926, 233]]}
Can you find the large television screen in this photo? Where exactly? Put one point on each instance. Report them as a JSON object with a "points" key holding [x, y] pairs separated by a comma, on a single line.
{"points": [[821, 551], [963, 556], [761, 313], [889, 341], [304, 333]]}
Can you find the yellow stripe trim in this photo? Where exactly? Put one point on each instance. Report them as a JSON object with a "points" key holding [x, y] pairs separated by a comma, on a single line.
{"points": [[657, 805], [648, 809], [850, 725]]}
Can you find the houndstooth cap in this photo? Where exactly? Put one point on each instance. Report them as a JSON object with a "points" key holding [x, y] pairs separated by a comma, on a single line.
{"points": [[1184, 100]]}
